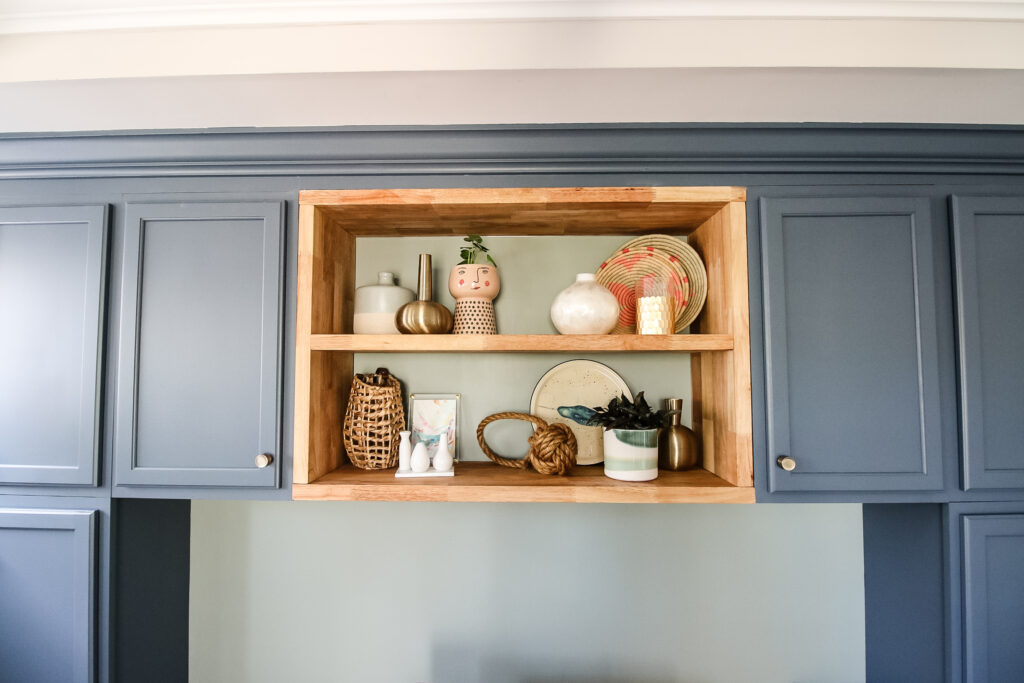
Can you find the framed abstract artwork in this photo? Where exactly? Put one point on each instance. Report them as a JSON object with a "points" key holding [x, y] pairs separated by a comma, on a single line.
{"points": [[433, 416]]}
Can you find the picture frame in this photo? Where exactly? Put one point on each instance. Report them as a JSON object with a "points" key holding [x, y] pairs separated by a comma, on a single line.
{"points": [[430, 416]]}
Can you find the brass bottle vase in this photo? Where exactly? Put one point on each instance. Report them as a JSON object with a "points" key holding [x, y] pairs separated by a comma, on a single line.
{"points": [[678, 448], [424, 316]]}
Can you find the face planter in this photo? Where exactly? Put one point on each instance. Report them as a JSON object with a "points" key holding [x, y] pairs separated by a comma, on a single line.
{"points": [[474, 286], [474, 281]]}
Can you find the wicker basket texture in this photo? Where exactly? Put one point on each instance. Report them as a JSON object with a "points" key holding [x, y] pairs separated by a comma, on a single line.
{"points": [[373, 419]]}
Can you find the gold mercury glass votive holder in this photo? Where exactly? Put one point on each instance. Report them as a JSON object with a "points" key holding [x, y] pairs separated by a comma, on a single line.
{"points": [[655, 306]]}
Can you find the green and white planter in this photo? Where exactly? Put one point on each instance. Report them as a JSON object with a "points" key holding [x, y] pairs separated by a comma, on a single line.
{"points": [[631, 454]]}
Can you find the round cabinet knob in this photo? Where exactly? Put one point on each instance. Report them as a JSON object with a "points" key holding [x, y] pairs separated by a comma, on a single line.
{"points": [[264, 460], [785, 462]]}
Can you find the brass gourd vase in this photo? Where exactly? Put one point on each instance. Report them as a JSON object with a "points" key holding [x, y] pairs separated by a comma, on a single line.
{"points": [[678, 448], [424, 316]]}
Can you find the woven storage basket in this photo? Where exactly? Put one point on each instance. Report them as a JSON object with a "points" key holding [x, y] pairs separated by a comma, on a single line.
{"points": [[373, 419]]}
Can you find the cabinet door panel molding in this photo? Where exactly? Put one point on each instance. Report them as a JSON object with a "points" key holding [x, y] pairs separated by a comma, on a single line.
{"points": [[199, 373], [851, 344], [988, 241], [48, 599], [53, 262]]}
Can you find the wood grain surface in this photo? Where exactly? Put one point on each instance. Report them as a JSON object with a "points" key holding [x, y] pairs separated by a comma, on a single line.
{"points": [[721, 383], [714, 218], [574, 343], [488, 482], [534, 211]]}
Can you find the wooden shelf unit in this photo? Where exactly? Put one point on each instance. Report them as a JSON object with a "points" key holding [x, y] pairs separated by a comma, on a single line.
{"points": [[712, 218]]}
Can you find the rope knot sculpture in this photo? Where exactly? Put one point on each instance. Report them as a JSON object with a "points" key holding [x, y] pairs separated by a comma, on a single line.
{"points": [[552, 446]]}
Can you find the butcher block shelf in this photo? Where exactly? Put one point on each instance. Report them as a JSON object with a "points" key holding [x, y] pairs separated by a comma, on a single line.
{"points": [[545, 343], [713, 220], [484, 482]]}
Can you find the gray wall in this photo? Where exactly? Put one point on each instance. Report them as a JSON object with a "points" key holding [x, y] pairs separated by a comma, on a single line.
{"points": [[923, 95], [525, 593]]}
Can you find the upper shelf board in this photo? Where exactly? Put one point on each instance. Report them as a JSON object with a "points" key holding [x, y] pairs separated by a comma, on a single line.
{"points": [[579, 343], [533, 211]]}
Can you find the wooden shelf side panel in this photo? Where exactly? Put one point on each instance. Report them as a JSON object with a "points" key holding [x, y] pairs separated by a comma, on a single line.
{"points": [[331, 375], [722, 380], [325, 292], [334, 265], [303, 332]]}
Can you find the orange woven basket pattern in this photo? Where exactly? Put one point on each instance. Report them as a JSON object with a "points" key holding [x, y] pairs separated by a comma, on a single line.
{"points": [[621, 272], [688, 262]]}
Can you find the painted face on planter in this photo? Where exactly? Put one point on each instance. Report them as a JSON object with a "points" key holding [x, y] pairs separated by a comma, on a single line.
{"points": [[474, 281]]}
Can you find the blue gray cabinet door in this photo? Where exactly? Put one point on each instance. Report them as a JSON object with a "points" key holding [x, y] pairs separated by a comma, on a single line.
{"points": [[988, 243], [993, 598], [52, 282], [47, 588], [851, 344], [198, 395]]}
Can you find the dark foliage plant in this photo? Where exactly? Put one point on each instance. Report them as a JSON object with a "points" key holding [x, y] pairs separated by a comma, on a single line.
{"points": [[621, 413]]}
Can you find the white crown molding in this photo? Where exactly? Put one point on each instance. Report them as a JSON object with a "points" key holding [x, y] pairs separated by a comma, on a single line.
{"points": [[93, 15], [515, 45]]}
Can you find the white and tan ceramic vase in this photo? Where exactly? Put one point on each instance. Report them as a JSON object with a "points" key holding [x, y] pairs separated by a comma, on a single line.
{"points": [[376, 305], [474, 286]]}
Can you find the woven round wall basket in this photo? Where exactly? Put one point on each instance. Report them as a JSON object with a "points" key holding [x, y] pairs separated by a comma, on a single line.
{"points": [[682, 256], [625, 268], [373, 419]]}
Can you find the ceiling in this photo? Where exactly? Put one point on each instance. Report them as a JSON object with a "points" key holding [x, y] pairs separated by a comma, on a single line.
{"points": [[38, 16]]}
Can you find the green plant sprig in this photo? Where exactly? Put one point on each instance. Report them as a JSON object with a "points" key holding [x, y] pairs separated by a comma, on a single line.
{"points": [[621, 413], [472, 252]]}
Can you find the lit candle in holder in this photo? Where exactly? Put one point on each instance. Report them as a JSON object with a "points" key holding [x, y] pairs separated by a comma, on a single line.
{"points": [[655, 306]]}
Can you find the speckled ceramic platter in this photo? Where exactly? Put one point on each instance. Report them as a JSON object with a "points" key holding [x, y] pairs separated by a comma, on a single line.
{"points": [[578, 382]]}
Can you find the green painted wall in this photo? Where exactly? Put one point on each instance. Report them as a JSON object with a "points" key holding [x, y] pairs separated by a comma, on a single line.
{"points": [[522, 593], [507, 593]]}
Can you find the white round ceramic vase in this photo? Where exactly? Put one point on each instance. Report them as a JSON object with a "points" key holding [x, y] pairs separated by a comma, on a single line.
{"points": [[585, 307], [419, 461], [443, 460]]}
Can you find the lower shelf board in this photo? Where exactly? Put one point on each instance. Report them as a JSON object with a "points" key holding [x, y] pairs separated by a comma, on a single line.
{"points": [[489, 483]]}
